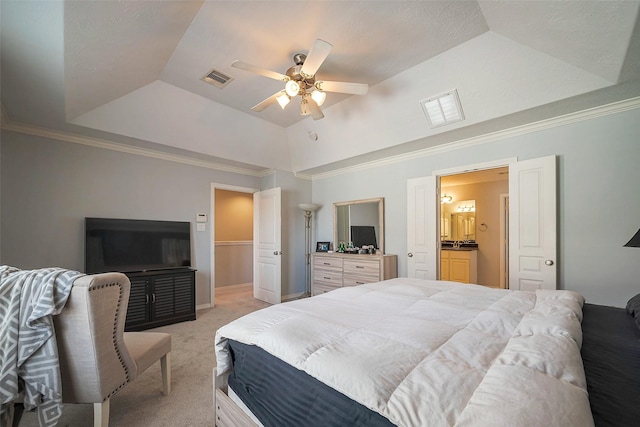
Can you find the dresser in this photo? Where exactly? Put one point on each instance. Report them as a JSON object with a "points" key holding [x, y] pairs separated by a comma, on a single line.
{"points": [[334, 270]]}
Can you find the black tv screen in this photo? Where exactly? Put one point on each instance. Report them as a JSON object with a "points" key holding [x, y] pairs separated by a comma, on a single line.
{"points": [[132, 245], [363, 235]]}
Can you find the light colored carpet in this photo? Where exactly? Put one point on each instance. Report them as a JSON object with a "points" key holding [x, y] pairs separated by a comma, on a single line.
{"points": [[190, 403]]}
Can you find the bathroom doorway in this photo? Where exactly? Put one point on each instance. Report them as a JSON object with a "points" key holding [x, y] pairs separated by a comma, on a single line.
{"points": [[473, 224]]}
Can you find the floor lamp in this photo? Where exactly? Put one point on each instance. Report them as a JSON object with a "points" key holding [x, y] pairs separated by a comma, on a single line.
{"points": [[308, 208]]}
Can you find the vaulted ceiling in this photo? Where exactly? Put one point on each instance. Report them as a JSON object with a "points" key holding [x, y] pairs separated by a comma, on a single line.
{"points": [[132, 71]]}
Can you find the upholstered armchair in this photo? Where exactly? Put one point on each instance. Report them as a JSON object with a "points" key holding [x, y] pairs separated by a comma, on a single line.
{"points": [[97, 358]]}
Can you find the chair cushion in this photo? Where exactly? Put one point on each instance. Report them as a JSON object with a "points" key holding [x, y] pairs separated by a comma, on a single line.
{"points": [[146, 348]]}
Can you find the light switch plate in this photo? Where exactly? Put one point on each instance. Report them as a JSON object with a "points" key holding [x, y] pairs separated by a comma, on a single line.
{"points": [[201, 227]]}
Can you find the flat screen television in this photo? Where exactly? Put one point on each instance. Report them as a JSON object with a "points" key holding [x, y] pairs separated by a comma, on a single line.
{"points": [[133, 245], [363, 235]]}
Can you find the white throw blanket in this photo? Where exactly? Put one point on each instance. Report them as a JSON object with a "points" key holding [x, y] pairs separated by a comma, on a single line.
{"points": [[28, 350], [432, 353]]}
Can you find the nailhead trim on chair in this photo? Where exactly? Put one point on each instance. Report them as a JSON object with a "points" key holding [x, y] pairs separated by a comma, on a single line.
{"points": [[115, 324]]}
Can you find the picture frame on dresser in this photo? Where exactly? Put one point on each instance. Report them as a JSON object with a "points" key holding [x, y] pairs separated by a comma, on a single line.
{"points": [[322, 247]]}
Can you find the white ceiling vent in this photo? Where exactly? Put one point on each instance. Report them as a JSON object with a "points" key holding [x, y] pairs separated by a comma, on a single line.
{"points": [[217, 78], [443, 109]]}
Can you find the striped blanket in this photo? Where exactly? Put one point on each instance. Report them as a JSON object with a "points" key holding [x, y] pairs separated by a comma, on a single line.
{"points": [[28, 351]]}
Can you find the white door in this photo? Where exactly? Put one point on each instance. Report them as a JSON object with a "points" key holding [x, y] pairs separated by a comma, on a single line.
{"points": [[422, 235], [267, 250], [532, 224]]}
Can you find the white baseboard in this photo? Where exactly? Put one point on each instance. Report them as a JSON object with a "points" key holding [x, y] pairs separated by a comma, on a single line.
{"points": [[290, 297]]}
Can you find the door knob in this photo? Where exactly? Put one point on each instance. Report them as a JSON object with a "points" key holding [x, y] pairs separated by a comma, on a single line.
{"points": [[409, 254], [277, 252], [548, 262]]}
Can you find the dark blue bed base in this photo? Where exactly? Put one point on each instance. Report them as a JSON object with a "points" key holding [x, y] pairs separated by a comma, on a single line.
{"points": [[289, 397], [611, 357]]}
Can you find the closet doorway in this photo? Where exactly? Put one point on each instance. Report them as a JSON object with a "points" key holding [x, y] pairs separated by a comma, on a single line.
{"points": [[231, 237]]}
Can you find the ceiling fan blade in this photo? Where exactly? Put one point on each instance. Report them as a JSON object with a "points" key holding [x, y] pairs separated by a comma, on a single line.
{"points": [[257, 70], [344, 87], [318, 53], [316, 112], [264, 104]]}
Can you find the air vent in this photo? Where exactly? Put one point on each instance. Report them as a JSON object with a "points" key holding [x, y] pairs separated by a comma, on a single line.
{"points": [[217, 78], [443, 109]]}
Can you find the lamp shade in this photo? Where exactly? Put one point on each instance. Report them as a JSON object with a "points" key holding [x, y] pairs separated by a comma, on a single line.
{"points": [[292, 88], [283, 99], [318, 97], [635, 241], [308, 206]]}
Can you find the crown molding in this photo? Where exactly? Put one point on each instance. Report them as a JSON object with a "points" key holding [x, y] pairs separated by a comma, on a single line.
{"points": [[26, 129], [589, 114], [303, 176]]}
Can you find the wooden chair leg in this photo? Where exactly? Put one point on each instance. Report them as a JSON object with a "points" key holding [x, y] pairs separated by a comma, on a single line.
{"points": [[165, 366], [101, 414], [14, 415]]}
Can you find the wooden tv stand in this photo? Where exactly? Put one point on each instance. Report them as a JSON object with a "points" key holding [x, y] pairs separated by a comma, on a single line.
{"points": [[161, 297]]}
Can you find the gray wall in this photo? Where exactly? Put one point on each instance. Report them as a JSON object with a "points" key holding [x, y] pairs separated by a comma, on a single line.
{"points": [[49, 186], [233, 263], [598, 202]]}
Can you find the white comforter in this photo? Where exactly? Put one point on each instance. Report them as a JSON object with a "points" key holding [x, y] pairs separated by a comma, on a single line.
{"points": [[433, 353]]}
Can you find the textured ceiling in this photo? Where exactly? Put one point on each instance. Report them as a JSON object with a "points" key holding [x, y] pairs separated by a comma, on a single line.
{"points": [[134, 68]]}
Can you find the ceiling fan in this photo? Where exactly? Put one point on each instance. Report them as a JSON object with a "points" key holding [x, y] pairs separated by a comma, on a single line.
{"points": [[301, 80]]}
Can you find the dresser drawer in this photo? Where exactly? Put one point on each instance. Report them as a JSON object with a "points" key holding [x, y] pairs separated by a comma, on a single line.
{"points": [[362, 268], [328, 263], [327, 277], [358, 280], [321, 288]]}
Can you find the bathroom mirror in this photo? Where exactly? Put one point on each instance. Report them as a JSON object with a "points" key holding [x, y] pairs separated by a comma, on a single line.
{"points": [[355, 220], [458, 221]]}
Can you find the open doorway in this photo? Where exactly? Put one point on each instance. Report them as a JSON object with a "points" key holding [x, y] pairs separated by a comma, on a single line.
{"points": [[473, 224], [231, 238]]}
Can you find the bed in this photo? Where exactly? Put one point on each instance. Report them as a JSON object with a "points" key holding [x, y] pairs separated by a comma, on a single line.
{"points": [[406, 352]]}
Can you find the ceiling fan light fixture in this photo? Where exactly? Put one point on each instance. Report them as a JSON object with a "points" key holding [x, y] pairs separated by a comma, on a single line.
{"points": [[283, 99], [292, 88], [318, 97], [305, 110]]}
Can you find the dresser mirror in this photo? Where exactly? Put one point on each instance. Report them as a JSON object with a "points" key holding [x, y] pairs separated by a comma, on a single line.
{"points": [[359, 222]]}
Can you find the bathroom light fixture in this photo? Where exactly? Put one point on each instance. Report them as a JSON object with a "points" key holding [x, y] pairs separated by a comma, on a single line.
{"points": [[466, 208], [446, 199], [634, 242]]}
